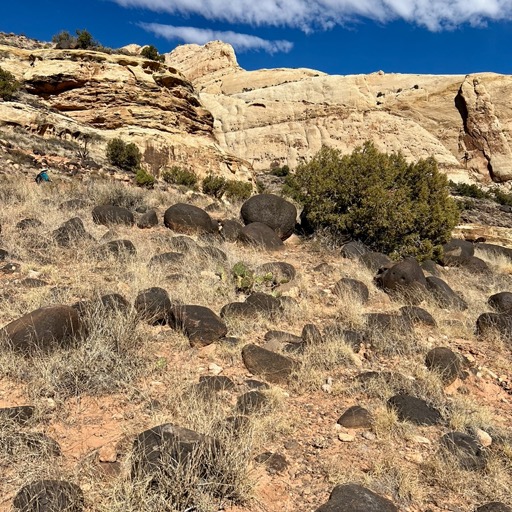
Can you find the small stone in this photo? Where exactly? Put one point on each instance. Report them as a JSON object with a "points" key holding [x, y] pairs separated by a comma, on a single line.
{"points": [[417, 458], [215, 369], [420, 440], [483, 437], [107, 453], [369, 436], [346, 438]]}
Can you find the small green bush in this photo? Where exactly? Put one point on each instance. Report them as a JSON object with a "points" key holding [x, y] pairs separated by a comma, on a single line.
{"points": [[238, 190], [469, 190], [394, 207], [84, 40], [280, 172], [8, 85], [144, 179], [64, 40], [501, 197], [214, 185], [150, 52], [177, 176], [125, 156]]}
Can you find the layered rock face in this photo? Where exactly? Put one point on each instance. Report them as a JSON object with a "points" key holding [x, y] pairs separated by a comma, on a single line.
{"points": [[71, 93], [284, 116]]}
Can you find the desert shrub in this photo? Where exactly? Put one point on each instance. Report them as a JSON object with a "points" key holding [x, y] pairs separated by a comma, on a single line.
{"points": [[394, 207], [144, 179], [238, 190], [501, 197], [178, 176], [214, 185], [280, 172], [150, 52], [125, 156], [469, 190], [8, 85], [64, 40], [84, 40]]}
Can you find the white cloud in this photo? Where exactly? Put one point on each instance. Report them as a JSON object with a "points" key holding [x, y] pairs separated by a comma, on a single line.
{"points": [[241, 42], [311, 14]]}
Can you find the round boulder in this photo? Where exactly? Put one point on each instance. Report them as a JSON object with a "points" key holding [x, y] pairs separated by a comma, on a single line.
{"points": [[276, 368], [406, 280], [445, 362], [444, 295], [153, 305], [501, 302], [415, 410], [495, 506], [109, 214], [201, 325], [356, 417], [356, 498], [187, 218], [49, 496], [44, 329], [261, 235], [272, 210], [466, 449], [352, 288], [148, 220]]}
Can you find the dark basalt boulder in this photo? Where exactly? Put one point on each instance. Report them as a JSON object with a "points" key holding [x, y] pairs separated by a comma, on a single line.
{"points": [[49, 496], [492, 323], [356, 498], [356, 417], [187, 218], [148, 220], [274, 367], [71, 232], [415, 410], [272, 210], [495, 506], [153, 305], [445, 362], [418, 315], [352, 250], [352, 287], [201, 325], [107, 215], [261, 235], [404, 280], [44, 329], [444, 295], [501, 302], [469, 453]]}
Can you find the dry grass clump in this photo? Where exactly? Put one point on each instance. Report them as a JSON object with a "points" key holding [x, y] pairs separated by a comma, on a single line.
{"points": [[108, 359]]}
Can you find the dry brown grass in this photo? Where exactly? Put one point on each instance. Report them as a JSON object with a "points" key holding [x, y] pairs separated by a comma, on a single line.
{"points": [[150, 373]]}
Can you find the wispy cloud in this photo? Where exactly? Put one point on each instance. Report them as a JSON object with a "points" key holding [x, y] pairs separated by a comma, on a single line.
{"points": [[241, 42], [314, 14]]}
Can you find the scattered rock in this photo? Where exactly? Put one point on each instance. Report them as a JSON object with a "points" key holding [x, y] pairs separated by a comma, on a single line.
{"points": [[44, 329], [186, 218], [274, 367], [107, 215], [280, 272], [501, 302], [356, 498], [466, 448], [404, 280], [311, 335], [356, 417], [415, 410], [445, 362], [230, 230], [121, 249], [417, 315], [444, 295], [201, 325], [495, 506], [253, 402], [153, 305], [260, 235], [271, 210], [214, 383], [353, 250], [347, 287], [490, 324], [71, 232], [148, 220], [49, 496]]}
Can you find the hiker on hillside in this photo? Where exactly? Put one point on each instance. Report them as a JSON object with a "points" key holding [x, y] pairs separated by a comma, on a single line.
{"points": [[43, 176]]}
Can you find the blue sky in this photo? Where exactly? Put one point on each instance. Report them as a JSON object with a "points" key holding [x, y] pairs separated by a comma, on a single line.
{"points": [[335, 36]]}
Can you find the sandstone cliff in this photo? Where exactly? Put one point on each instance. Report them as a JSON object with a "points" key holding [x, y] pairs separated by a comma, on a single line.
{"points": [[72, 93], [283, 116]]}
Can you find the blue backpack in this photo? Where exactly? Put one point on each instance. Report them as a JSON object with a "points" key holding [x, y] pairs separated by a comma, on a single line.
{"points": [[42, 176]]}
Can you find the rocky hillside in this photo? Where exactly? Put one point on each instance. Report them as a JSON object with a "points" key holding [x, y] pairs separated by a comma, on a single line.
{"points": [[283, 116], [73, 95]]}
